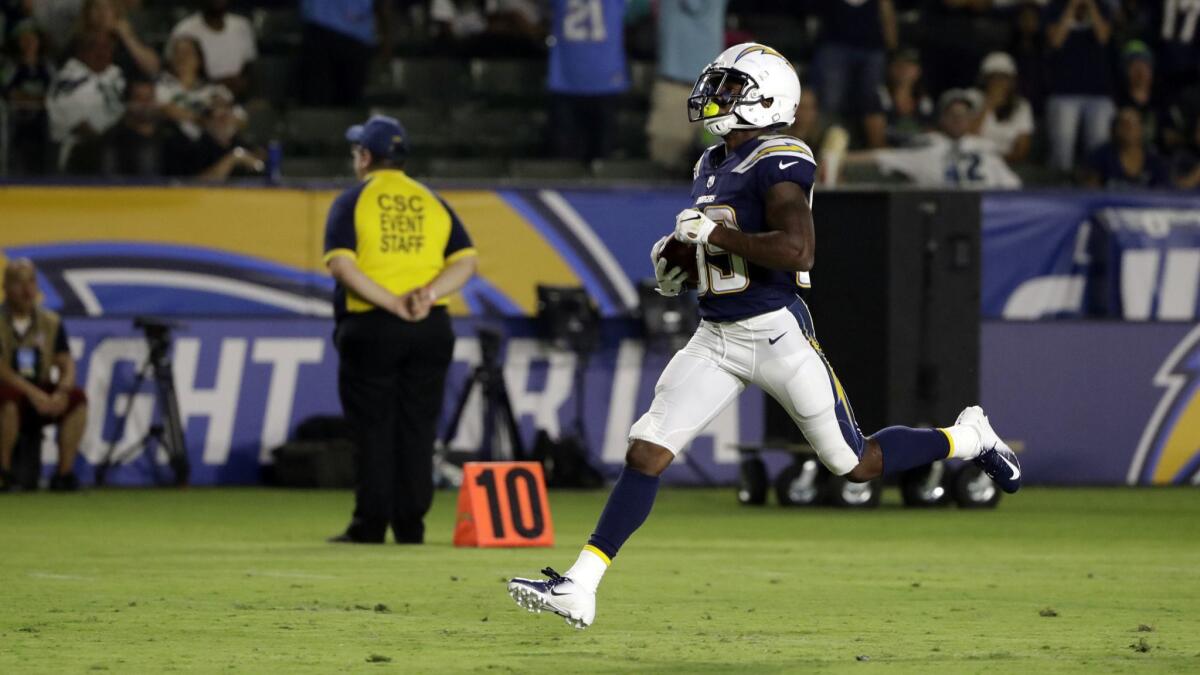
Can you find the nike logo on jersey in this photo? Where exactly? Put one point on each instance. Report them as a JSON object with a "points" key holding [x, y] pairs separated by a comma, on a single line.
{"points": [[777, 339], [783, 167], [1016, 473]]}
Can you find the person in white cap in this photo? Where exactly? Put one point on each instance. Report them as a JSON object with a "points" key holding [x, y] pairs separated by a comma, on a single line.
{"points": [[1005, 117], [950, 157]]}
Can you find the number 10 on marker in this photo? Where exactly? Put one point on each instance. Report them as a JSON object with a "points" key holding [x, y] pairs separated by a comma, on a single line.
{"points": [[503, 504]]}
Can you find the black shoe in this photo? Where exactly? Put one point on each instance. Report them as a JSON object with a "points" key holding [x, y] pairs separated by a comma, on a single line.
{"points": [[64, 482], [6, 481], [347, 538]]}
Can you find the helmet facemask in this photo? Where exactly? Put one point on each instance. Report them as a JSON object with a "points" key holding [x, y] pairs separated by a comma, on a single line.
{"points": [[718, 94]]}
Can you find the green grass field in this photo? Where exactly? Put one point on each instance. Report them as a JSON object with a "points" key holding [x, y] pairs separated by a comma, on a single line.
{"points": [[239, 580]]}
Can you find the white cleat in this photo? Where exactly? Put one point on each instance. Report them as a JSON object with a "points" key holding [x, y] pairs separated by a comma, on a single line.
{"points": [[556, 594], [995, 457]]}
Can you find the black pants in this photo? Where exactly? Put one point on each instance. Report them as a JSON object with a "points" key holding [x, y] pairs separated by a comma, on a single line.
{"points": [[583, 127], [333, 67], [391, 376]]}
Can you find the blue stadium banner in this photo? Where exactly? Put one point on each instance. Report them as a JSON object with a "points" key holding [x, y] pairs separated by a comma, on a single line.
{"points": [[1072, 255], [245, 384], [1096, 402]]}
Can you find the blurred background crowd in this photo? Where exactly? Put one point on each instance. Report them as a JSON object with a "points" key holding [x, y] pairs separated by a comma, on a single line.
{"points": [[975, 93]]}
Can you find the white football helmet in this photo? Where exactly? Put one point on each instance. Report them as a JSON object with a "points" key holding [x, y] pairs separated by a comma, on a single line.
{"points": [[734, 90]]}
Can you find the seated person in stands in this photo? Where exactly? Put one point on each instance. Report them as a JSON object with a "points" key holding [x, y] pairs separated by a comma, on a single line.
{"points": [[1126, 161], [218, 152], [134, 145], [900, 110], [106, 17], [37, 376], [1006, 118], [1185, 163], [949, 157], [85, 101], [227, 42], [183, 92]]}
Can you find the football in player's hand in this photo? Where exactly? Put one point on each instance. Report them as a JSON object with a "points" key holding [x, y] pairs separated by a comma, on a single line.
{"points": [[679, 254]]}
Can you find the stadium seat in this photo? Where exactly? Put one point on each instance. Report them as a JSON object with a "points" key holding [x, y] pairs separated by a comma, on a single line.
{"points": [[264, 125], [548, 169], [320, 129], [321, 166], [629, 170], [278, 30], [274, 79], [438, 80], [641, 78], [153, 24], [485, 168], [516, 80]]}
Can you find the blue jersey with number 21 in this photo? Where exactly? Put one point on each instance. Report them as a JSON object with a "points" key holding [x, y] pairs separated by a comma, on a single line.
{"points": [[587, 53], [732, 190]]}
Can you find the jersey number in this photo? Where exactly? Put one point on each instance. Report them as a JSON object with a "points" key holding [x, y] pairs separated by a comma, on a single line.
{"points": [[726, 272], [1179, 20], [584, 21]]}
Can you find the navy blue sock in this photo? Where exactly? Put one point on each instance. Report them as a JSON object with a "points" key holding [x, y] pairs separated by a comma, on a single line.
{"points": [[628, 506], [905, 448]]}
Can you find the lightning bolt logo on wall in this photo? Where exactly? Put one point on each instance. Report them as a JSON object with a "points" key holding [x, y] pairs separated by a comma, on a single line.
{"points": [[1169, 449]]}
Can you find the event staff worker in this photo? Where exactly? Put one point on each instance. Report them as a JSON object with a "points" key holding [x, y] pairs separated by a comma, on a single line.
{"points": [[397, 252], [37, 376]]}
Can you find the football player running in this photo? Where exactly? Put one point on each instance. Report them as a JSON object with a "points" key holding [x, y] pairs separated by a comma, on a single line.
{"points": [[752, 223]]}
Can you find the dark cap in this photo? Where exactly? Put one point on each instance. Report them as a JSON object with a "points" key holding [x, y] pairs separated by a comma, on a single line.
{"points": [[1136, 50], [384, 136]]}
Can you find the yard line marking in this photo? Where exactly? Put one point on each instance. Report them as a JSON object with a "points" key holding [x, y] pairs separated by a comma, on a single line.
{"points": [[290, 575], [58, 577]]}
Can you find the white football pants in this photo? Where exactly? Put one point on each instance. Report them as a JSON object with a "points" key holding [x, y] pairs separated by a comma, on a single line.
{"points": [[777, 351]]}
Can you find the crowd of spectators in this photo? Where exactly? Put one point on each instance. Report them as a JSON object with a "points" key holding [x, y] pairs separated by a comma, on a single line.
{"points": [[81, 78], [1098, 92]]}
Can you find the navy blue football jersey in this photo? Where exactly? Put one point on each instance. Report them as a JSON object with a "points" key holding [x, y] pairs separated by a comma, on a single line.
{"points": [[732, 191]]}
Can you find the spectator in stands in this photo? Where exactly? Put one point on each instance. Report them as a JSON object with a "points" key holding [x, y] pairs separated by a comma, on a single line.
{"points": [[130, 54], [1132, 20], [57, 20], [1180, 111], [689, 35], [227, 42], [1137, 87], [1174, 27], [900, 110], [1126, 161], [1006, 118], [340, 36], [218, 153], [84, 102], [588, 76], [1185, 164], [848, 67], [514, 27], [134, 146], [957, 34], [1028, 49], [37, 376], [950, 157], [456, 21], [809, 125], [1077, 35], [24, 83], [182, 91]]}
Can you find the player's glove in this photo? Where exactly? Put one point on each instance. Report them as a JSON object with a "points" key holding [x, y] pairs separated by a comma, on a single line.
{"points": [[670, 282], [693, 227]]}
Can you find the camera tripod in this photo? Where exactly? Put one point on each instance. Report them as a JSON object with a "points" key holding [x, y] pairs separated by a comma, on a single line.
{"points": [[497, 408], [169, 434]]}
